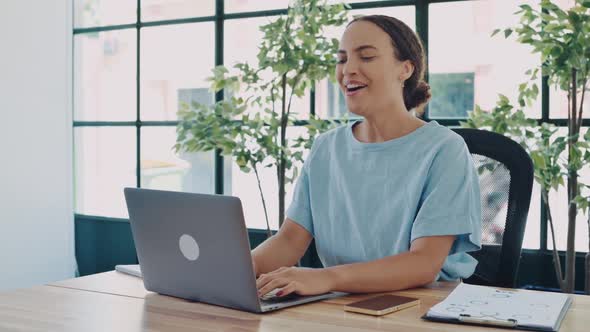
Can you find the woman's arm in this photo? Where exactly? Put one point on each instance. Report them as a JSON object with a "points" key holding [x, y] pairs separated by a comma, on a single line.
{"points": [[282, 249], [417, 267]]}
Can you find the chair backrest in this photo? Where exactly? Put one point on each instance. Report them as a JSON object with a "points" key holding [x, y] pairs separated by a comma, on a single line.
{"points": [[506, 180]]}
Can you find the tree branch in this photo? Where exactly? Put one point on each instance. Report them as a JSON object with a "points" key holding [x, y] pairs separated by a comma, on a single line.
{"points": [[556, 261], [571, 121], [268, 231], [295, 82], [582, 101], [574, 96], [272, 98]]}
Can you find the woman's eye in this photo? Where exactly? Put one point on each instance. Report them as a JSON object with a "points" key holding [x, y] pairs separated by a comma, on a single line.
{"points": [[367, 58], [341, 61]]}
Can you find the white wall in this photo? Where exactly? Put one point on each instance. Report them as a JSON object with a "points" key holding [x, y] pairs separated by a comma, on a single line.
{"points": [[36, 196]]}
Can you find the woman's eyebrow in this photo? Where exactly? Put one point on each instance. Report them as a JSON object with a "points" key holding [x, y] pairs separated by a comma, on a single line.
{"points": [[359, 48]]}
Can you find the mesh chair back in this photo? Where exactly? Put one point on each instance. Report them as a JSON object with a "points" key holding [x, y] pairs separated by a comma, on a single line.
{"points": [[506, 180]]}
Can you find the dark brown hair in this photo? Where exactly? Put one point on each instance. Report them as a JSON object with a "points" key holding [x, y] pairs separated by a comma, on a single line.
{"points": [[406, 46]]}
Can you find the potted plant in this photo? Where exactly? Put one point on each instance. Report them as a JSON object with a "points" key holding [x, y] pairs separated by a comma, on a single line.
{"points": [[562, 38], [251, 123]]}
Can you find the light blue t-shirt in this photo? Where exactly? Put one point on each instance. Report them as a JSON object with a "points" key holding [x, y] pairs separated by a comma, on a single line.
{"points": [[366, 201]]}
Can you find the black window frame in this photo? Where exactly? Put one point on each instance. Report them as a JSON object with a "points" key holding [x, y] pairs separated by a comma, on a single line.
{"points": [[219, 18]]}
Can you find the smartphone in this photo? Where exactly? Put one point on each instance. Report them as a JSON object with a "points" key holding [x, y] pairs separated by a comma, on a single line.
{"points": [[382, 304]]}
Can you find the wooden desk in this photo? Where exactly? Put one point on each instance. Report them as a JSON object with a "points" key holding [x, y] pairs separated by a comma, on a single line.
{"points": [[116, 302]]}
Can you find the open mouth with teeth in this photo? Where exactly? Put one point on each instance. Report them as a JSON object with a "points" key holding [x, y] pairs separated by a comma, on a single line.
{"points": [[354, 87]]}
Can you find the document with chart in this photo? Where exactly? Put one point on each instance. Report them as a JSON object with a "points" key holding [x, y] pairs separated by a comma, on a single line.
{"points": [[516, 308]]}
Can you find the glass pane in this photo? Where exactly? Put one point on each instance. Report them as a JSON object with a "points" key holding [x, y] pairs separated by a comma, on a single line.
{"points": [[472, 67], [564, 4], [557, 98], [93, 13], [155, 10], [241, 43], [558, 103], [532, 233], [104, 165], [245, 186], [105, 76], [162, 168], [329, 101], [233, 6], [558, 203], [175, 61]]}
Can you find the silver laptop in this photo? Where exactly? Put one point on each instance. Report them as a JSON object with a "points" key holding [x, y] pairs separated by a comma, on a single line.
{"points": [[195, 246]]}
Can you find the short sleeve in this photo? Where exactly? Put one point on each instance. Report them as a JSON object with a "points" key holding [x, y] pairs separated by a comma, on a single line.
{"points": [[300, 209], [450, 201]]}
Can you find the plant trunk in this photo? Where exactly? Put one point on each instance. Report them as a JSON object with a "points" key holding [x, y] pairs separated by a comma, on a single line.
{"points": [[556, 261], [587, 265], [282, 161], [268, 231], [572, 190], [570, 254]]}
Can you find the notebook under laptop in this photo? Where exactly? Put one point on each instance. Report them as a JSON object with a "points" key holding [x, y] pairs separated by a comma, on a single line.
{"points": [[195, 246]]}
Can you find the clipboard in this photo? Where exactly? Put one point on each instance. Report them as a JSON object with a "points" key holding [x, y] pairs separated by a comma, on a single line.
{"points": [[489, 306]]}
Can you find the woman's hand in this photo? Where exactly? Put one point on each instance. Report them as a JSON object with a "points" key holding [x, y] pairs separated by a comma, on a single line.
{"points": [[302, 281]]}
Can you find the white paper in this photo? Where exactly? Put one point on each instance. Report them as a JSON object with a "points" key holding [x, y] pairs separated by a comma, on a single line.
{"points": [[528, 308]]}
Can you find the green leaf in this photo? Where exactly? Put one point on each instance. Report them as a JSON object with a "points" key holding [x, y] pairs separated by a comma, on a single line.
{"points": [[526, 7], [538, 159], [574, 17], [507, 33], [535, 90]]}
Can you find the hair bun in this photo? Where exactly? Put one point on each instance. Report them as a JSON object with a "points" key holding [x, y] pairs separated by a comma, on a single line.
{"points": [[420, 95]]}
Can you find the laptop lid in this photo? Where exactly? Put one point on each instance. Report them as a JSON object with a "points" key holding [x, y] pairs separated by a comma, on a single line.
{"points": [[193, 246]]}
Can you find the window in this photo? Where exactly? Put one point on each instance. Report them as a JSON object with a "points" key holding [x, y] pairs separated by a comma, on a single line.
{"points": [[155, 10], [242, 37], [174, 58], [233, 6], [559, 211], [119, 143], [104, 76], [134, 66], [94, 13], [558, 200], [104, 164], [454, 94], [473, 66]]}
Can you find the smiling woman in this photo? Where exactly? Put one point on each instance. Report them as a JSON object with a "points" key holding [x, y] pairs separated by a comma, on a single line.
{"points": [[367, 61], [376, 194]]}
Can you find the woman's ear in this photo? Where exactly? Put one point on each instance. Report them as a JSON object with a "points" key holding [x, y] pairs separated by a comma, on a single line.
{"points": [[407, 69]]}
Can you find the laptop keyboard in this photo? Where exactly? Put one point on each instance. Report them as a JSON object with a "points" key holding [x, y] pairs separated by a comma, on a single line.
{"points": [[279, 299]]}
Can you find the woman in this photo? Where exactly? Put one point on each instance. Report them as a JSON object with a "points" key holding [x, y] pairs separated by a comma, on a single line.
{"points": [[392, 201]]}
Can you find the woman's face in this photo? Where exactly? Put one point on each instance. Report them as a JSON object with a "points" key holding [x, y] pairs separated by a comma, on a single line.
{"points": [[367, 71]]}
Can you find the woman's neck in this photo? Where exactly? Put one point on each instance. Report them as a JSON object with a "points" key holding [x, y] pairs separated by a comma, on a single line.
{"points": [[386, 126]]}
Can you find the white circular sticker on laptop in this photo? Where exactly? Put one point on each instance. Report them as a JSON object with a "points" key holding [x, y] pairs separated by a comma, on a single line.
{"points": [[189, 247]]}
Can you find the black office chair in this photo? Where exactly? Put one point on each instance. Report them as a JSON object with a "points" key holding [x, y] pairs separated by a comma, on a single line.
{"points": [[506, 180]]}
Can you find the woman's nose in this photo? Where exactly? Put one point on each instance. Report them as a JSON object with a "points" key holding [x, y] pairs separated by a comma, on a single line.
{"points": [[349, 67]]}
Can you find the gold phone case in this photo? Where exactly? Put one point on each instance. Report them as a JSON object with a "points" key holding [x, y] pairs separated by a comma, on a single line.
{"points": [[382, 305]]}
